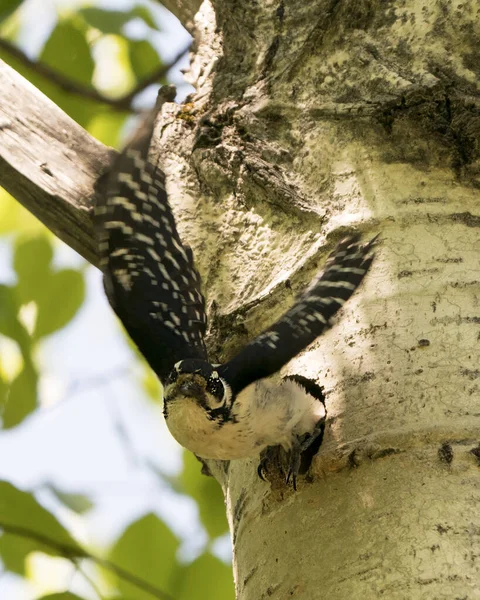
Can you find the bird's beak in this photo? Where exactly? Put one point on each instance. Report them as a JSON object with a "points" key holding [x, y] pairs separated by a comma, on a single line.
{"points": [[191, 388]]}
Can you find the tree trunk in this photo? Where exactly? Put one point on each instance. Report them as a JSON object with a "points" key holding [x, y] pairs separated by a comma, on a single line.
{"points": [[311, 120]]}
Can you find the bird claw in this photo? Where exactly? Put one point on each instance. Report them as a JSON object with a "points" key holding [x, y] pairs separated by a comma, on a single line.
{"points": [[269, 460], [262, 468], [294, 462]]}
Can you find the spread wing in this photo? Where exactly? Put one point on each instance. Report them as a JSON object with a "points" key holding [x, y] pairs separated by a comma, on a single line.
{"points": [[149, 275], [306, 320]]}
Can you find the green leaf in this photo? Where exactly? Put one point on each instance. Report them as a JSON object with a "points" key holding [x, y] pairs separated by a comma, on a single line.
{"points": [[21, 515], [206, 577], [207, 493], [21, 398], [14, 551], [31, 261], [113, 21], [142, 12], [79, 108], [107, 21], [61, 596], [7, 7], [38, 249], [79, 503], [58, 301], [148, 549], [10, 326], [68, 51], [143, 58], [58, 295]]}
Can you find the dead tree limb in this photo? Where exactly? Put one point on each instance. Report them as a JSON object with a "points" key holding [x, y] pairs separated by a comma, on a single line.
{"points": [[48, 162]]}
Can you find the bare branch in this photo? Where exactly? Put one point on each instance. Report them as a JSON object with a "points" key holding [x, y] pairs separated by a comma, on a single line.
{"points": [[48, 162], [88, 579], [123, 103], [154, 77], [65, 83]]}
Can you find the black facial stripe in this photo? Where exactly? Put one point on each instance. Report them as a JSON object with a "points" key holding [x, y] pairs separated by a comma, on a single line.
{"points": [[220, 415]]}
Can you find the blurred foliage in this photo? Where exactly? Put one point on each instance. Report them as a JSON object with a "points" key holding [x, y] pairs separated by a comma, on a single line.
{"points": [[77, 64], [92, 47], [28, 527], [113, 21], [147, 548], [54, 298], [208, 495], [8, 7], [100, 54], [78, 503], [197, 582], [61, 596]]}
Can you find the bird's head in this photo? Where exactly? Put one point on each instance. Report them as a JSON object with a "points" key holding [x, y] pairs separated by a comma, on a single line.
{"points": [[197, 381]]}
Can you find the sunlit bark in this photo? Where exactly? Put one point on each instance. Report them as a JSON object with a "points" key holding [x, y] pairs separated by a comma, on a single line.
{"points": [[310, 120]]}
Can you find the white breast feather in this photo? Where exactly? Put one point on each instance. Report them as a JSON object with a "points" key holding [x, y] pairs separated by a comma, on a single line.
{"points": [[268, 412]]}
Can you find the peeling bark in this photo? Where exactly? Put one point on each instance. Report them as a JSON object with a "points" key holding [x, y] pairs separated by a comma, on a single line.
{"points": [[311, 120]]}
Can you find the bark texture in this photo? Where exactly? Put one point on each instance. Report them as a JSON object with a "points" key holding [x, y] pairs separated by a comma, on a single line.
{"points": [[310, 120], [184, 10], [48, 162]]}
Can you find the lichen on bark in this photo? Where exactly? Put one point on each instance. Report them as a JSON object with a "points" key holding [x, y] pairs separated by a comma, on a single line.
{"points": [[311, 120]]}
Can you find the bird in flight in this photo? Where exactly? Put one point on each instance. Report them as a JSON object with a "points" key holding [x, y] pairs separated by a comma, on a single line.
{"points": [[218, 411]]}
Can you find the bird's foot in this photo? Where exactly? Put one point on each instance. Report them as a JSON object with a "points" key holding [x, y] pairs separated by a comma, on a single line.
{"points": [[270, 461], [302, 452], [293, 462]]}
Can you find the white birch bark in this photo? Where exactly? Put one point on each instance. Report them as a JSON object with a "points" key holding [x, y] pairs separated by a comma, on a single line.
{"points": [[310, 120]]}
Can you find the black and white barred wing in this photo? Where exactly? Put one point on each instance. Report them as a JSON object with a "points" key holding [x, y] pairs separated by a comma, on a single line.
{"points": [[149, 275], [306, 320]]}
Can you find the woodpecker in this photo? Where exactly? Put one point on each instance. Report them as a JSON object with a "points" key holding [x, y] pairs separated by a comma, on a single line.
{"points": [[218, 411]]}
